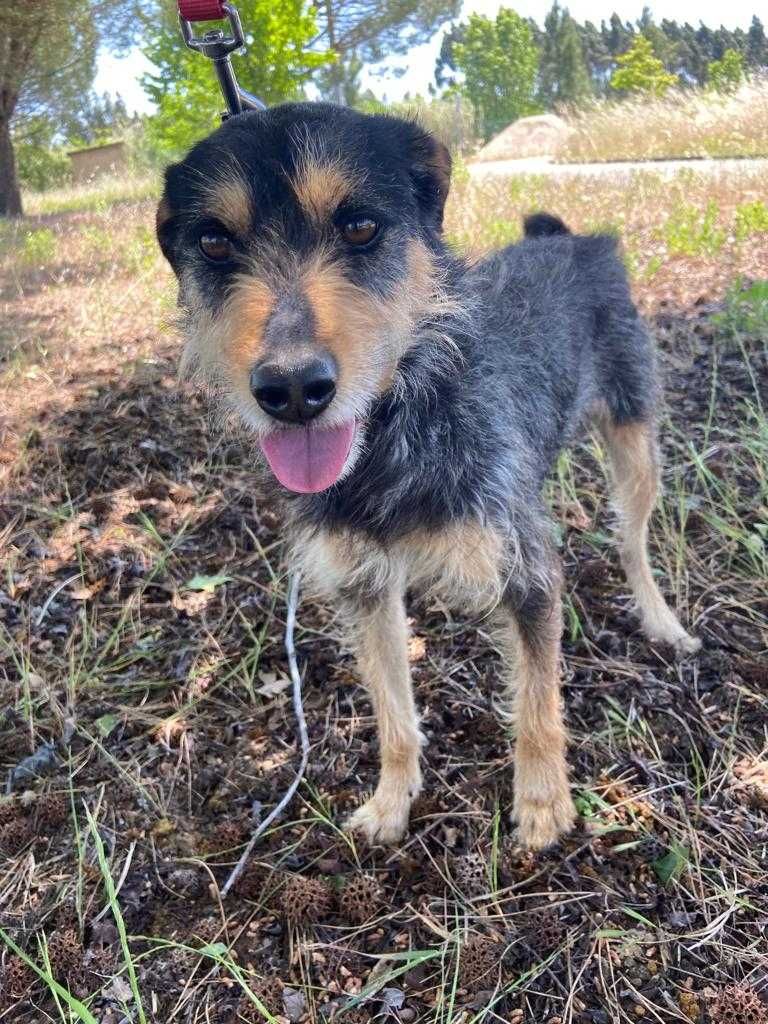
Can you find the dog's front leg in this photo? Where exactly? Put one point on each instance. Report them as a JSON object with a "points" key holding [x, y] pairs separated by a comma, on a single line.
{"points": [[381, 642], [532, 631]]}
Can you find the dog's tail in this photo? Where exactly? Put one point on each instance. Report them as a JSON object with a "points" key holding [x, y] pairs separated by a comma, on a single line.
{"points": [[539, 225]]}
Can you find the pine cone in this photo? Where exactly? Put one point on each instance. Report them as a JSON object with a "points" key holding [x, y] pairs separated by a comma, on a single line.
{"points": [[305, 899], [15, 836], [479, 959], [738, 1004], [471, 874], [360, 898], [269, 992]]}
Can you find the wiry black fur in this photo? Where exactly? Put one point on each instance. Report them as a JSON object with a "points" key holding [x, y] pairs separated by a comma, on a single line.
{"points": [[553, 332], [485, 398], [538, 225]]}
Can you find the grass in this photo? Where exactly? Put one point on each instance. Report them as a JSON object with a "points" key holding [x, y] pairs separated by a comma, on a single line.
{"points": [[141, 600], [97, 197], [683, 124]]}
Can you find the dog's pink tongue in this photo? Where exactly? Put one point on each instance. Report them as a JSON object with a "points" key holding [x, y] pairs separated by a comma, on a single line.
{"points": [[308, 459]]}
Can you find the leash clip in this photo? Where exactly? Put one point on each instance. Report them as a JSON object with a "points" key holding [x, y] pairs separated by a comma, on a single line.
{"points": [[217, 46]]}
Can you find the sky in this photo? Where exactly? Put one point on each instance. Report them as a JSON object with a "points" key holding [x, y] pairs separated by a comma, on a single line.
{"points": [[122, 75]]}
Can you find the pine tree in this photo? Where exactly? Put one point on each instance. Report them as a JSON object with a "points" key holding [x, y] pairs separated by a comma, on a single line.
{"points": [[596, 56], [639, 71], [757, 45], [563, 75]]}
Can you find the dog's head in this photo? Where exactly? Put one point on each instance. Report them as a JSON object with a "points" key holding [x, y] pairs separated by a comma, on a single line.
{"points": [[306, 243]]}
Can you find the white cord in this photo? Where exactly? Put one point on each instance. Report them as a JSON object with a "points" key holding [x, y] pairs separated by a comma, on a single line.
{"points": [[290, 649]]}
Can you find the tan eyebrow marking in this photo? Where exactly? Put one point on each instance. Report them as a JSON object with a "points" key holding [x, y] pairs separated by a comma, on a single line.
{"points": [[229, 201], [321, 186]]}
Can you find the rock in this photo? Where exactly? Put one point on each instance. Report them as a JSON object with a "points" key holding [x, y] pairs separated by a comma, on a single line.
{"points": [[541, 135]]}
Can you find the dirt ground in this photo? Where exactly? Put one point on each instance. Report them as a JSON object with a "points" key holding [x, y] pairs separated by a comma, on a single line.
{"points": [[142, 664]]}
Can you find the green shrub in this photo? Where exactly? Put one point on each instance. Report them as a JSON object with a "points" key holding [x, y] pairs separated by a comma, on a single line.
{"points": [[745, 311], [38, 247], [691, 232], [40, 168], [726, 74], [750, 219]]}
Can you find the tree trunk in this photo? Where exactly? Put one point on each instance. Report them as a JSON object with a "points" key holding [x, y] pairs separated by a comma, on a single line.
{"points": [[335, 71], [10, 195]]}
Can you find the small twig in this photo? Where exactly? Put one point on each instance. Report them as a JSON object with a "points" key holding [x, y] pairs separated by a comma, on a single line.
{"points": [[290, 649]]}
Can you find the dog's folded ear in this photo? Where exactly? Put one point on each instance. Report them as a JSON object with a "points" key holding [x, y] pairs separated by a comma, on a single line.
{"points": [[165, 229], [165, 221], [431, 173]]}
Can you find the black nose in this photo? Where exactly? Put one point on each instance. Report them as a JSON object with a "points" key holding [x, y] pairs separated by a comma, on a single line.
{"points": [[295, 395]]}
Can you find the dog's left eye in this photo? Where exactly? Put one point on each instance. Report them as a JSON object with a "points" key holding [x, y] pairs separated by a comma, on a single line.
{"points": [[216, 246], [359, 231]]}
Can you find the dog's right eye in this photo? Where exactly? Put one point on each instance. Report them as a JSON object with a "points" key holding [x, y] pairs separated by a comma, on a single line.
{"points": [[216, 246]]}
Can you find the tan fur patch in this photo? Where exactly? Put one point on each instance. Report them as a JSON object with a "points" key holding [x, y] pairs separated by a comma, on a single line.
{"points": [[632, 451], [321, 186], [352, 321], [228, 200], [542, 805], [465, 563], [227, 344]]}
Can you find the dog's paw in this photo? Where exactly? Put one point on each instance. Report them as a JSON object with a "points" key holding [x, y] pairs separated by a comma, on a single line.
{"points": [[540, 824], [682, 643], [381, 820], [686, 644], [665, 629]]}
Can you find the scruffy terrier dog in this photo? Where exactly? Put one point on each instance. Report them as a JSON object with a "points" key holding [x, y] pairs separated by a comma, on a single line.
{"points": [[410, 405]]}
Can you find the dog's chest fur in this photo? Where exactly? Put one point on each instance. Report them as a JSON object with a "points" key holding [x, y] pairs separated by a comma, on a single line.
{"points": [[464, 563]]}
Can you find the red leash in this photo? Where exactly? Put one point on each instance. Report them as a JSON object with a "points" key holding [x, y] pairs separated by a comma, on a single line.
{"points": [[202, 10], [218, 46]]}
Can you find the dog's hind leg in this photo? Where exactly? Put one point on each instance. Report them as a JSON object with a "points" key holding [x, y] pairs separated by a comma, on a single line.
{"points": [[381, 642], [634, 469], [532, 629]]}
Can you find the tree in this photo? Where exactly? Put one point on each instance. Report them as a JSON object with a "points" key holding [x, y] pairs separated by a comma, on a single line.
{"points": [[369, 31], [726, 74], [596, 55], [663, 47], [445, 65], [757, 45], [618, 36], [98, 119], [47, 63], [499, 61], [277, 65], [563, 74], [639, 71]]}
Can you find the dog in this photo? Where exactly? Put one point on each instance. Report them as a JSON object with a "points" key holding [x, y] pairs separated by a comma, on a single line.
{"points": [[407, 405]]}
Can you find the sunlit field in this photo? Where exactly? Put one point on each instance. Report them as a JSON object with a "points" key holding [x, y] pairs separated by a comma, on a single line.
{"points": [[684, 123]]}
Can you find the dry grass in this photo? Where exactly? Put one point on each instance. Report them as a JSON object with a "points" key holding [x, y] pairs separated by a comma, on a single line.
{"points": [[141, 612], [683, 124]]}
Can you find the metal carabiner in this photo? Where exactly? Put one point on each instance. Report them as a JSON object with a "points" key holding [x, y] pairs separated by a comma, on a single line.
{"points": [[217, 46]]}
